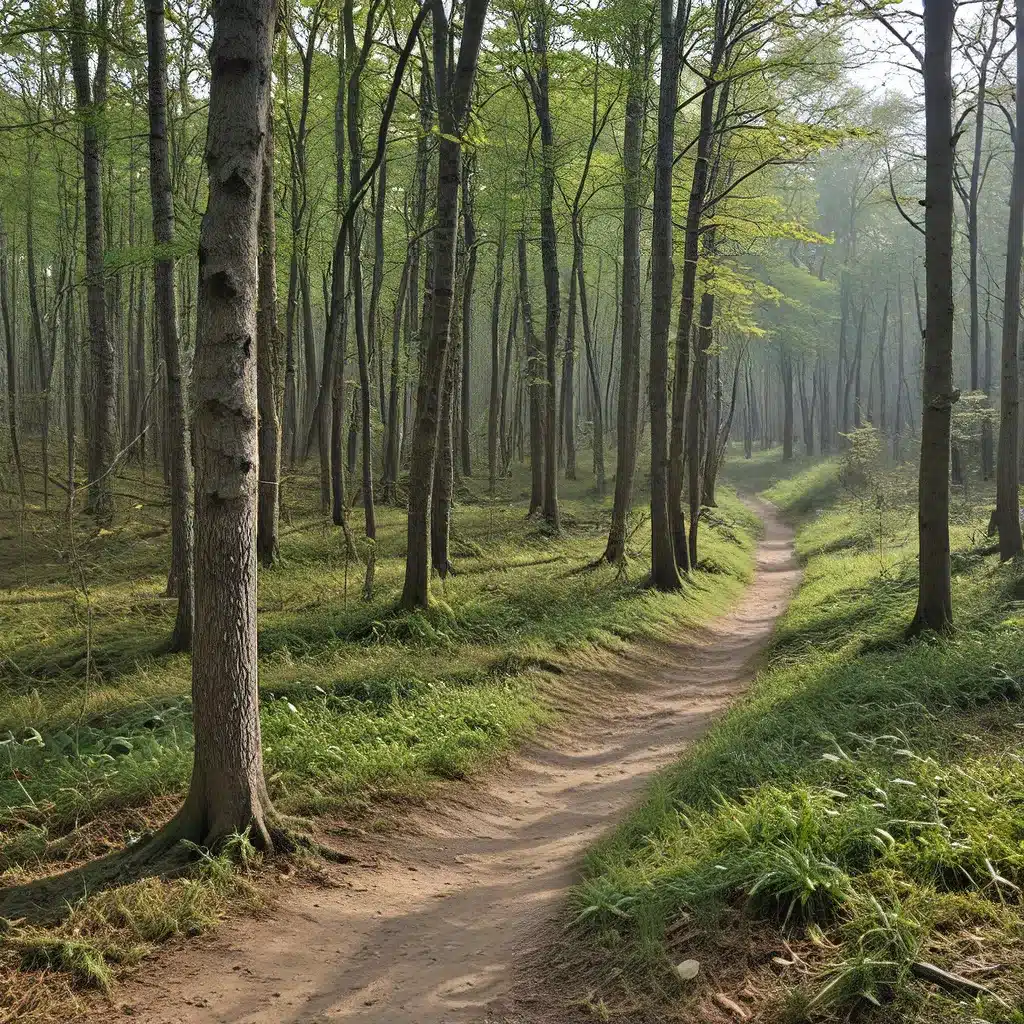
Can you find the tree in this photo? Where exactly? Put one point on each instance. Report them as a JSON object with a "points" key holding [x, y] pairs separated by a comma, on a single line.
{"points": [[453, 89], [268, 369], [934, 598], [91, 94], [535, 42], [664, 571], [180, 581], [1007, 512], [228, 793], [638, 54]]}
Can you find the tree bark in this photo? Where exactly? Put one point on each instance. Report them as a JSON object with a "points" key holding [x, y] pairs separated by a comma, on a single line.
{"points": [[934, 604], [664, 566], [496, 399], [228, 794], [534, 385], [1007, 512], [180, 581], [469, 230], [268, 367], [679, 439], [90, 97], [453, 97], [629, 371], [12, 374]]}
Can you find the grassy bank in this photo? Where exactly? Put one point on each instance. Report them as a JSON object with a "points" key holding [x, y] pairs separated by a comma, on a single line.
{"points": [[858, 820], [361, 705]]}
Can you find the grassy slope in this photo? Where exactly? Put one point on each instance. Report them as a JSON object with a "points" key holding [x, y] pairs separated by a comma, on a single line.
{"points": [[359, 702], [865, 804]]}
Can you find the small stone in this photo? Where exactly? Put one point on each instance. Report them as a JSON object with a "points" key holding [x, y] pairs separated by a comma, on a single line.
{"points": [[688, 970]]}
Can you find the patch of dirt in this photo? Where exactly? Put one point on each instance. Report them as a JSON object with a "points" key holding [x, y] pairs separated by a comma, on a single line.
{"points": [[432, 925]]}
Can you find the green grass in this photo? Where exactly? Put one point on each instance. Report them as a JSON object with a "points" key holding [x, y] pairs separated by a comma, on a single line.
{"points": [[865, 803], [361, 704]]}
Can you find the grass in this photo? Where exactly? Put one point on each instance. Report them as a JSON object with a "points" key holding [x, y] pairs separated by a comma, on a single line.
{"points": [[361, 705], [860, 813]]}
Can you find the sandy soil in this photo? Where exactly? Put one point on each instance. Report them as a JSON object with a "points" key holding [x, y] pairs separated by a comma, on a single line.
{"points": [[430, 926]]}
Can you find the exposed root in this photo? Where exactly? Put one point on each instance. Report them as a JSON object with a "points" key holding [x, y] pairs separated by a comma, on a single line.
{"points": [[167, 853]]}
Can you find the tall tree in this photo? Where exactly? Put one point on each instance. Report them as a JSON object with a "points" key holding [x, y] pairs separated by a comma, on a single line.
{"points": [[268, 369], [638, 49], [1007, 512], [453, 89], [934, 598], [180, 581], [664, 570], [228, 793], [535, 42], [90, 96]]}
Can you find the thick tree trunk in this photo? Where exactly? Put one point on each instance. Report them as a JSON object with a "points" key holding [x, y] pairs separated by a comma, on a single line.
{"points": [[934, 605], [180, 581], [1007, 513], [664, 565], [228, 794]]}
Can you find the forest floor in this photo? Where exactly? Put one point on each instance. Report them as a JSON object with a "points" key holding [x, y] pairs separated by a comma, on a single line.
{"points": [[847, 842], [431, 926], [367, 712]]}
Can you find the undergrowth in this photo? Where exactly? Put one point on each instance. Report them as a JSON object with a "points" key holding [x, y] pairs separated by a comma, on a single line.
{"points": [[859, 815], [360, 704]]}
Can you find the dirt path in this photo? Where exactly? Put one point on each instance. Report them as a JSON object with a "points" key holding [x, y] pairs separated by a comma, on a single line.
{"points": [[428, 932]]}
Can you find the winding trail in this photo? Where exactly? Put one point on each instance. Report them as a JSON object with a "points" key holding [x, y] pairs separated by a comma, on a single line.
{"points": [[428, 927]]}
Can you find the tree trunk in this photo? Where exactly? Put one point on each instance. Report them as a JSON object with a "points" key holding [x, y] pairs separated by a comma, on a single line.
{"points": [[12, 376], [934, 604], [228, 794], [1007, 513], [597, 411], [268, 368], [444, 467], [664, 566], [534, 384], [507, 439], [90, 98], [787, 399], [453, 97], [679, 439], [883, 420], [549, 262], [566, 407], [629, 370], [496, 401], [469, 228], [180, 581]]}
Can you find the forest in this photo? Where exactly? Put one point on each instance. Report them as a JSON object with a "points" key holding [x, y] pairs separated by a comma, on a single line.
{"points": [[510, 511]]}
